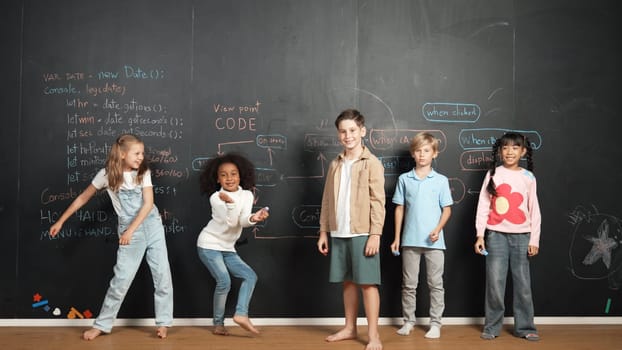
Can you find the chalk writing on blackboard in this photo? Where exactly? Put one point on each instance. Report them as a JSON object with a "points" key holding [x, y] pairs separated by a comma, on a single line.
{"points": [[595, 245], [96, 108], [389, 139], [485, 138], [451, 112]]}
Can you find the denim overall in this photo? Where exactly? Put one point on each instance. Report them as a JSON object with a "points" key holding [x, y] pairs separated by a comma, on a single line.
{"points": [[148, 238]]}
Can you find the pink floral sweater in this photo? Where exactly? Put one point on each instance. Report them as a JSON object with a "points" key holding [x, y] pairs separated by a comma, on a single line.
{"points": [[515, 209]]}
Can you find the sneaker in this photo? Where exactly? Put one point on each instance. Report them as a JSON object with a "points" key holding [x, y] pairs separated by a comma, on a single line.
{"points": [[487, 336], [433, 333], [406, 329], [532, 337]]}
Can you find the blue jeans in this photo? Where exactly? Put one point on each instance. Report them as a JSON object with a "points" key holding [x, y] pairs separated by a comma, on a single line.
{"points": [[508, 249], [148, 240], [220, 264]]}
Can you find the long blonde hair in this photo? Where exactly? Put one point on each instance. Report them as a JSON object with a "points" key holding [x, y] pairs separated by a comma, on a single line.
{"points": [[114, 162]]}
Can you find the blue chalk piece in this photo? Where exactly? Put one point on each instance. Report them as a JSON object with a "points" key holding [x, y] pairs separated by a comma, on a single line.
{"points": [[484, 252], [396, 253], [41, 303]]}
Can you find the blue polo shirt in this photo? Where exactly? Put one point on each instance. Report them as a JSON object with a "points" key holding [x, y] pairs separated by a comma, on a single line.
{"points": [[423, 201]]}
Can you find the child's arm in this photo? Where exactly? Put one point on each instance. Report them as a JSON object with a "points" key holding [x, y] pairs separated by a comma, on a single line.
{"points": [[535, 219], [322, 241], [140, 217], [377, 210], [246, 218], [224, 209], [377, 198], [434, 235], [77, 203], [481, 216], [399, 219]]}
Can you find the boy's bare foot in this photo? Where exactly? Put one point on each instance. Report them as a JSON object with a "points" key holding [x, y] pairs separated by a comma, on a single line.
{"points": [[220, 330], [91, 334], [343, 334], [374, 344], [245, 322], [161, 332]]}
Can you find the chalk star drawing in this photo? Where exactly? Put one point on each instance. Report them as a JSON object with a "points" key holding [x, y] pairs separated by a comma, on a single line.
{"points": [[595, 237], [602, 246]]}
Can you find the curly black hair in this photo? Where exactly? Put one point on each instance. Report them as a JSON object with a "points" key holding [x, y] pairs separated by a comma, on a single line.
{"points": [[209, 175]]}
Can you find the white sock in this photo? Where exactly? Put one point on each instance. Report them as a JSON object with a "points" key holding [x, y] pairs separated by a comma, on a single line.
{"points": [[433, 333], [406, 329]]}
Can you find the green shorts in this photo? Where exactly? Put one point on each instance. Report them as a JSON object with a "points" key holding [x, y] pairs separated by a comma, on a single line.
{"points": [[349, 263]]}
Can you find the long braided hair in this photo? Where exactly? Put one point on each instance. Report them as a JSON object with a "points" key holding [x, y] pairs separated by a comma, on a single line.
{"points": [[510, 138]]}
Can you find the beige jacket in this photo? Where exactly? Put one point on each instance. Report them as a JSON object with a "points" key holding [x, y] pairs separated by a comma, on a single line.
{"points": [[367, 198]]}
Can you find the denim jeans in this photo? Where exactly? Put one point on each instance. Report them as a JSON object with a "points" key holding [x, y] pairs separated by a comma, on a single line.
{"points": [[220, 264], [508, 249], [434, 261], [148, 240]]}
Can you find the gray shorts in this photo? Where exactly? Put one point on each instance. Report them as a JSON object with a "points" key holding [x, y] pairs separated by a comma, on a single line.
{"points": [[349, 263]]}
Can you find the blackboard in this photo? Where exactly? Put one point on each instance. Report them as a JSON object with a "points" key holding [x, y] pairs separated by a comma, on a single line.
{"points": [[267, 79]]}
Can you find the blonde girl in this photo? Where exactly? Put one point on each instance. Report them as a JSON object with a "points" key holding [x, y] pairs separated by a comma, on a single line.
{"points": [[127, 180]]}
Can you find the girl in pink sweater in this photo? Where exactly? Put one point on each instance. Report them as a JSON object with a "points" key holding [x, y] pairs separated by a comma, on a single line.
{"points": [[508, 233]]}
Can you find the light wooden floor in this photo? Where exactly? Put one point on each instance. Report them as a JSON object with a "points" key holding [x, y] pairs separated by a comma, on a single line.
{"points": [[558, 337]]}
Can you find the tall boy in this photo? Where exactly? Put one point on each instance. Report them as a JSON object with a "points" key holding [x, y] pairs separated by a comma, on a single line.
{"points": [[353, 212]]}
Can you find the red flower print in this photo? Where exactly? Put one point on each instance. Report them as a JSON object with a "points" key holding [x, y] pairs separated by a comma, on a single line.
{"points": [[505, 206]]}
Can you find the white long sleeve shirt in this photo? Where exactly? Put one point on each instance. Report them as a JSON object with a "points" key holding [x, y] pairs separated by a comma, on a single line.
{"points": [[228, 220]]}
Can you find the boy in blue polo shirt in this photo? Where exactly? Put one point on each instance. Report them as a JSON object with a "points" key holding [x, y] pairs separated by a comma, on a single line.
{"points": [[427, 198]]}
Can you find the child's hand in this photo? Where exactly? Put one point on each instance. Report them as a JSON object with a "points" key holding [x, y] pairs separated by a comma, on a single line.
{"points": [[373, 245], [125, 238], [479, 245], [260, 215], [55, 229], [395, 246], [532, 250], [434, 236], [322, 243], [224, 197]]}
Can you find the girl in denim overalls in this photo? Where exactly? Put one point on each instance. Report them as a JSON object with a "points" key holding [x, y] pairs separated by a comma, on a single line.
{"points": [[127, 179]]}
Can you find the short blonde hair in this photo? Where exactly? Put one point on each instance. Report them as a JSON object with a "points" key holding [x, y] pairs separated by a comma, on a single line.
{"points": [[421, 139]]}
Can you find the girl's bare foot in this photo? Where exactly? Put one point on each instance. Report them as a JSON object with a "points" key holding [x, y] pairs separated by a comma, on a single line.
{"points": [[343, 334], [161, 332], [374, 344], [220, 330], [91, 334], [245, 322]]}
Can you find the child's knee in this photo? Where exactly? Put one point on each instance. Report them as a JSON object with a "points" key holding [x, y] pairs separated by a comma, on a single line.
{"points": [[223, 285], [252, 277]]}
